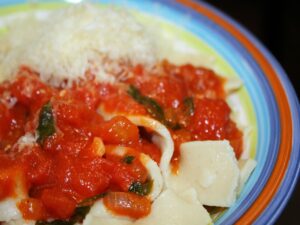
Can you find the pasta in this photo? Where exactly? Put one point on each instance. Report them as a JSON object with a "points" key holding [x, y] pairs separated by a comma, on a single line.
{"points": [[161, 138], [211, 168]]}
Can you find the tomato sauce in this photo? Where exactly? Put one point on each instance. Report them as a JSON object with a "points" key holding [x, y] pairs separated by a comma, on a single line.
{"points": [[210, 119], [72, 161]]}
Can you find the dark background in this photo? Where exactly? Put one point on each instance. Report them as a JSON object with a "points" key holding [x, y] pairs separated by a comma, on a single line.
{"points": [[277, 25]]}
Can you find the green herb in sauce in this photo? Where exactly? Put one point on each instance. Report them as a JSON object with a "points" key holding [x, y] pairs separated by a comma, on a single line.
{"points": [[141, 189], [128, 159], [153, 108], [189, 106], [46, 125]]}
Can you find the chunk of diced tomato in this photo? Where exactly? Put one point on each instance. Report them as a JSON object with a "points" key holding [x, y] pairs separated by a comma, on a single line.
{"points": [[124, 173], [127, 204], [91, 176], [32, 209], [57, 203], [119, 130], [39, 165]]}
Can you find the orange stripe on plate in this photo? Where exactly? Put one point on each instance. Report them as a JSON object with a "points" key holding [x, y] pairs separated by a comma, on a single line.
{"points": [[285, 147]]}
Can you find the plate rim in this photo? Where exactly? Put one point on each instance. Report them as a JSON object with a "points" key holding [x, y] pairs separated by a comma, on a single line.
{"points": [[286, 184]]}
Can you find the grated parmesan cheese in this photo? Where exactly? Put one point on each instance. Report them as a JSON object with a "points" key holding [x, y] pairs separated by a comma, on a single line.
{"points": [[27, 140], [66, 43]]}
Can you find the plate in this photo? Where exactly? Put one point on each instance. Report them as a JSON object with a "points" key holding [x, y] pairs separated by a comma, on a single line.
{"points": [[268, 102]]}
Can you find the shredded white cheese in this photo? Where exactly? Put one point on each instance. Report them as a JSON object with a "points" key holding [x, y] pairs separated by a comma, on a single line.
{"points": [[24, 141], [67, 43]]}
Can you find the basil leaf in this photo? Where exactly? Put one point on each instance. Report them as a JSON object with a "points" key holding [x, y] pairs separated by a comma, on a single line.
{"points": [[46, 125], [128, 159], [141, 189], [189, 106], [153, 108]]}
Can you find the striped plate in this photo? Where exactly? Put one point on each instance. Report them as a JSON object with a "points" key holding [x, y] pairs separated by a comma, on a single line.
{"points": [[268, 99]]}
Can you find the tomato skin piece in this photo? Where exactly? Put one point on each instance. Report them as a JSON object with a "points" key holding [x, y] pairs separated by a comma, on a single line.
{"points": [[54, 199], [32, 209], [119, 130], [127, 204]]}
